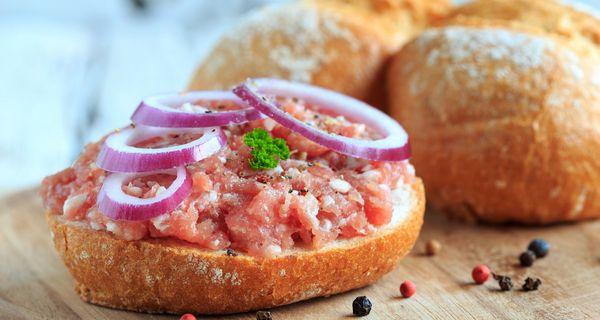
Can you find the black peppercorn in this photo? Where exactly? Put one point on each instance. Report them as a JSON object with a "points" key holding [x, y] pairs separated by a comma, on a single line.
{"points": [[231, 253], [540, 247], [505, 282], [361, 306], [263, 315], [532, 284], [527, 258]]}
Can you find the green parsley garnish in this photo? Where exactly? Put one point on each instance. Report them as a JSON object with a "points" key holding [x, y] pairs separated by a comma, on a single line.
{"points": [[265, 148]]}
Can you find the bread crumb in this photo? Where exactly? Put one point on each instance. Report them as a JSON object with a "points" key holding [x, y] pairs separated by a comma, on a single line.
{"points": [[433, 247]]}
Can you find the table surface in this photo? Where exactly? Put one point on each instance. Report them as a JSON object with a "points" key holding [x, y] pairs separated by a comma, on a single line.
{"points": [[35, 285]]}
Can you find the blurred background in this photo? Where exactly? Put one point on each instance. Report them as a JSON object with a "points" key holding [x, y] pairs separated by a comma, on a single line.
{"points": [[71, 71]]}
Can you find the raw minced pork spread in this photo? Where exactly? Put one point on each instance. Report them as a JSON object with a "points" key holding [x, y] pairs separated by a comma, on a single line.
{"points": [[314, 197]]}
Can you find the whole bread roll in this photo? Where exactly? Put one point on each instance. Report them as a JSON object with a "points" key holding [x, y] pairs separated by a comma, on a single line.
{"points": [[547, 15], [341, 45], [504, 116]]}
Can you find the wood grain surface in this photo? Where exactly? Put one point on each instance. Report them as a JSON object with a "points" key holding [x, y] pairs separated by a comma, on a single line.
{"points": [[35, 285]]}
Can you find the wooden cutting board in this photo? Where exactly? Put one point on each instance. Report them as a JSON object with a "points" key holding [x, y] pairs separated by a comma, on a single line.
{"points": [[34, 284]]}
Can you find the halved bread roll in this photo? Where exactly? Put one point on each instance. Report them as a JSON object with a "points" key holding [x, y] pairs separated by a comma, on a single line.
{"points": [[165, 275], [504, 116], [340, 45]]}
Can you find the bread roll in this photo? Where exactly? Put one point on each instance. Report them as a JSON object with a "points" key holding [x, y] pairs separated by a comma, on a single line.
{"points": [[341, 45], [547, 15], [504, 115], [166, 275]]}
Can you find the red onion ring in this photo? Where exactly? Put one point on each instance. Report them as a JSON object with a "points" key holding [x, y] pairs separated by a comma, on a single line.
{"points": [[117, 154], [116, 204], [394, 147], [159, 111]]}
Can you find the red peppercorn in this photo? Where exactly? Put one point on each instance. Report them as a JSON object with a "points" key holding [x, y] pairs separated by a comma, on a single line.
{"points": [[408, 289], [187, 316], [480, 274]]}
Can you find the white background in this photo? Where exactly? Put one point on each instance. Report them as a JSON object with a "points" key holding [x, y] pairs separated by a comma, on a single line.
{"points": [[70, 70]]}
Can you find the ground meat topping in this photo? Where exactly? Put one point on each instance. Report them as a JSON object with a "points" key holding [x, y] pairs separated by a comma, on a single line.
{"points": [[314, 197]]}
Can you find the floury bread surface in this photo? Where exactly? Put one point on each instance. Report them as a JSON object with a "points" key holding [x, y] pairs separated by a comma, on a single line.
{"points": [[503, 111], [340, 45]]}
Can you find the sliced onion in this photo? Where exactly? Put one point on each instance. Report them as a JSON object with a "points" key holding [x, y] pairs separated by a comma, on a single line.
{"points": [[117, 154], [393, 147], [160, 111], [116, 204]]}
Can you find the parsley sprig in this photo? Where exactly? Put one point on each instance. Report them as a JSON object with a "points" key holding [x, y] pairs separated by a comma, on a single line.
{"points": [[265, 149]]}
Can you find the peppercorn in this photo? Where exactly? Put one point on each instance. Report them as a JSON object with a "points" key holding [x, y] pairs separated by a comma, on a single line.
{"points": [[532, 284], [361, 306], [263, 315], [505, 282], [480, 274], [432, 247], [540, 247], [527, 258], [231, 253], [187, 316], [408, 289]]}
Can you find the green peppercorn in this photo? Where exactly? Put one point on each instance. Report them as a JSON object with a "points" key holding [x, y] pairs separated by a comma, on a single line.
{"points": [[361, 306], [527, 258]]}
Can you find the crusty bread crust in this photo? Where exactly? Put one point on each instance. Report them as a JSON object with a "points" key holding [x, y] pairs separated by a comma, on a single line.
{"points": [[504, 121], [336, 44], [550, 16], [161, 275]]}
